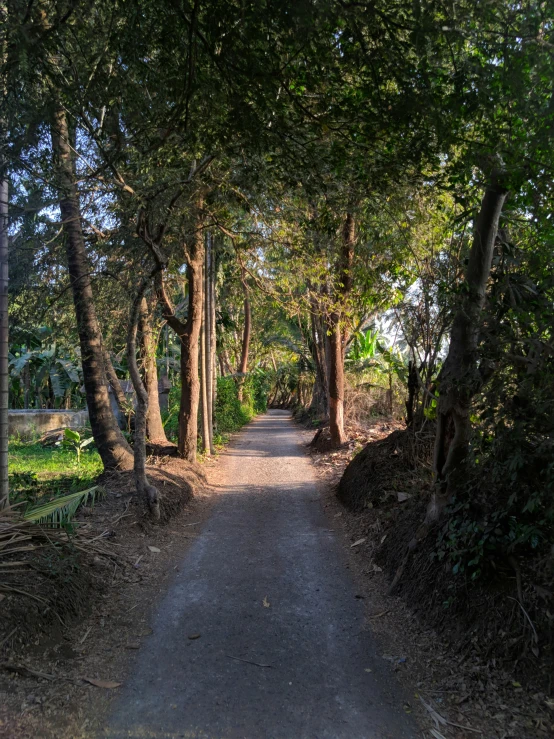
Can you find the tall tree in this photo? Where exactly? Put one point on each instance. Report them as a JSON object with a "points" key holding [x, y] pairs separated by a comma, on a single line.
{"points": [[187, 330], [112, 447], [337, 332], [460, 378]]}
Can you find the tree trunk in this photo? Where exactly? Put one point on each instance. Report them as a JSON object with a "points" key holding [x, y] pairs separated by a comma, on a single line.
{"points": [[320, 393], [336, 341], [208, 374], [4, 344], [225, 363], [115, 385], [142, 483], [190, 395], [459, 378], [204, 422], [111, 445], [336, 383], [213, 344], [155, 432], [413, 387], [243, 366], [189, 333], [27, 386], [4, 375]]}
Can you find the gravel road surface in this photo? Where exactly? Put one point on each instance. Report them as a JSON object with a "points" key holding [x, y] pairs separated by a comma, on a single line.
{"points": [[260, 634]]}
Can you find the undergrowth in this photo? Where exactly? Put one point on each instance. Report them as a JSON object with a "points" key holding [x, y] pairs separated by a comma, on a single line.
{"points": [[230, 414], [39, 473]]}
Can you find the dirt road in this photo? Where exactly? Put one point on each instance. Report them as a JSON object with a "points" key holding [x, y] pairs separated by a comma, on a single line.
{"points": [[260, 635]]}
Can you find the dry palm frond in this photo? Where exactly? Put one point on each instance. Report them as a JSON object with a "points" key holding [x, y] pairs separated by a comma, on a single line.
{"points": [[21, 533]]}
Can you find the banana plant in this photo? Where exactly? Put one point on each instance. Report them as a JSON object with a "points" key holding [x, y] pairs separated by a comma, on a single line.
{"points": [[363, 352], [73, 441], [31, 369], [368, 350]]}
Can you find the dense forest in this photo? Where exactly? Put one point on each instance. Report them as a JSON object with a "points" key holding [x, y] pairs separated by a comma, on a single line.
{"points": [[344, 209]]}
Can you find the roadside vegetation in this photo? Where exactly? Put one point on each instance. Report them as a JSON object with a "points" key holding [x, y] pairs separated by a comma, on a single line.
{"points": [[341, 209]]}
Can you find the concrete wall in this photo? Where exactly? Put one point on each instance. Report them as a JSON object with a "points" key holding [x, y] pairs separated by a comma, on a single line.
{"points": [[30, 422]]}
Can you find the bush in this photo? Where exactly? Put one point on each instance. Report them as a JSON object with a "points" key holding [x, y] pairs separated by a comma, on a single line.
{"points": [[229, 413], [170, 418], [255, 392]]}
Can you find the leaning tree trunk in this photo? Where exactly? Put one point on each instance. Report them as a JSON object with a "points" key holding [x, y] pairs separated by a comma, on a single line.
{"points": [[459, 378], [124, 407], [225, 363], [142, 483], [243, 366], [113, 381], [155, 432], [336, 334], [111, 445]]}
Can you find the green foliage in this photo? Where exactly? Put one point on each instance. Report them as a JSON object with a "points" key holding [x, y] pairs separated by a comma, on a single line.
{"points": [[37, 472], [72, 440], [255, 392], [369, 351], [43, 376], [230, 415], [42, 484], [506, 507], [170, 418]]}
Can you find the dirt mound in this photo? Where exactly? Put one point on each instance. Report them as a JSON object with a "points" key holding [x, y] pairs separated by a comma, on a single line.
{"points": [[381, 470], [175, 480], [504, 618], [52, 578], [97, 587]]}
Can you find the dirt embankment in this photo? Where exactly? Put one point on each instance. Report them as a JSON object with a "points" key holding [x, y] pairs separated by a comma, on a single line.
{"points": [[475, 650], [76, 607]]}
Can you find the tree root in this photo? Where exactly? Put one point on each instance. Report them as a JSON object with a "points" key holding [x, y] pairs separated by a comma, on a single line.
{"points": [[152, 500]]}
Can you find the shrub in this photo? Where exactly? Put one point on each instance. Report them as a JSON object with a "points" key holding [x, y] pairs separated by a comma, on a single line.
{"points": [[229, 414]]}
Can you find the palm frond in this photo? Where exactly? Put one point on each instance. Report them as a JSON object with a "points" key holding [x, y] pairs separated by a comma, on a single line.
{"points": [[61, 510]]}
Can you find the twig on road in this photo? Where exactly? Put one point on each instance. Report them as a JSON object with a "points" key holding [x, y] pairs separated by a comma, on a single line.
{"points": [[249, 661]]}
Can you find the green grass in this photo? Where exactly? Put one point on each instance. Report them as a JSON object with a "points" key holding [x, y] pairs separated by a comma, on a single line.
{"points": [[38, 473]]}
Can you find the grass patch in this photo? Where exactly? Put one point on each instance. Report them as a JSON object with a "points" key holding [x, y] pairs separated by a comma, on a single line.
{"points": [[38, 473]]}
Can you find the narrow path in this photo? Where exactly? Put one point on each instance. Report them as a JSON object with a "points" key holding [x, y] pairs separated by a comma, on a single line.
{"points": [[265, 583]]}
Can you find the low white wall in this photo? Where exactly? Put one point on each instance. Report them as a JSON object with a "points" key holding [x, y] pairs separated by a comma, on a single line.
{"points": [[30, 422]]}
